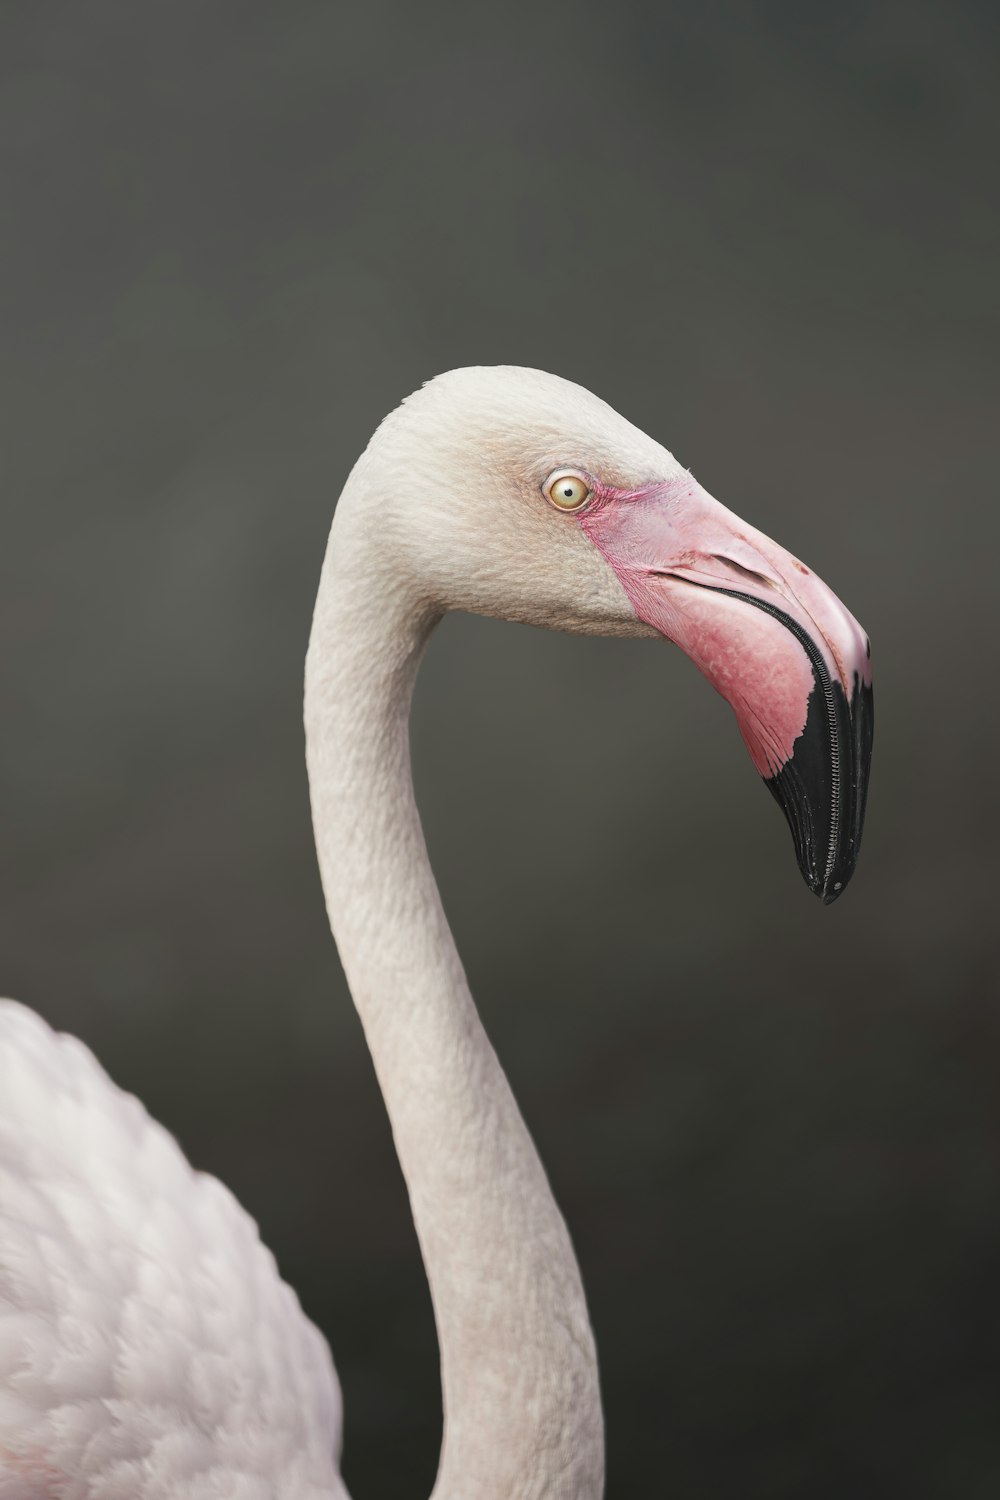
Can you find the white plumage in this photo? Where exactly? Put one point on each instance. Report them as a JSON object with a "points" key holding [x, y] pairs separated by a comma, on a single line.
{"points": [[148, 1348]]}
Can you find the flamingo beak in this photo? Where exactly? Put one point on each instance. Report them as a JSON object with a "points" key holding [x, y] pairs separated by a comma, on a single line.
{"points": [[773, 639]]}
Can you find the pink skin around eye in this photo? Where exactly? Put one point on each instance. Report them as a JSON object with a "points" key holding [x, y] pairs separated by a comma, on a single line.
{"points": [[674, 548]]}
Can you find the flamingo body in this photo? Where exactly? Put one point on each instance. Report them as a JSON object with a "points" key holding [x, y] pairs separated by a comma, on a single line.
{"points": [[148, 1347]]}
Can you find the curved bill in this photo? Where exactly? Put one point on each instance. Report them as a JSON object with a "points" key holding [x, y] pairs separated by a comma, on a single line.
{"points": [[773, 640]]}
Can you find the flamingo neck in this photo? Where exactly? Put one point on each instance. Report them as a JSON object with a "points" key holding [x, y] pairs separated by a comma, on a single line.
{"points": [[522, 1415]]}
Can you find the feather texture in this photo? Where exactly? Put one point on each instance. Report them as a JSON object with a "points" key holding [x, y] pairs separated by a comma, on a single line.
{"points": [[148, 1347]]}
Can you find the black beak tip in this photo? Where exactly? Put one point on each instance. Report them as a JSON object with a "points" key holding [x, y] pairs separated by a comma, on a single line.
{"points": [[822, 789], [834, 889]]}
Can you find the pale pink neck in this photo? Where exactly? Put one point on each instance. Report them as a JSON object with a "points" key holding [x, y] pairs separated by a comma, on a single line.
{"points": [[518, 1366]]}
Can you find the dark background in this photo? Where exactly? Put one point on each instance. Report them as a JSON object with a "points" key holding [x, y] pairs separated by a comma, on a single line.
{"points": [[235, 236]]}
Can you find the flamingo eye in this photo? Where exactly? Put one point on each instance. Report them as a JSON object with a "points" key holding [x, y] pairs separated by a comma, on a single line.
{"points": [[566, 490]]}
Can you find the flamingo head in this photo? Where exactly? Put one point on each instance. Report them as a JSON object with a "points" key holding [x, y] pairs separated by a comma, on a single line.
{"points": [[515, 493]]}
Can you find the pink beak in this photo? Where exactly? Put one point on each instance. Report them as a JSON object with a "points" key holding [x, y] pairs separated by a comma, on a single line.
{"points": [[772, 638]]}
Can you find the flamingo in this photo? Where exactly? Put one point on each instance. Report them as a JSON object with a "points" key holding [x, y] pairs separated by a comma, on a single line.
{"points": [[148, 1347]]}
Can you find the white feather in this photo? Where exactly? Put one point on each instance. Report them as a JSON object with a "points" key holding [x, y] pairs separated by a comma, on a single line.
{"points": [[148, 1347]]}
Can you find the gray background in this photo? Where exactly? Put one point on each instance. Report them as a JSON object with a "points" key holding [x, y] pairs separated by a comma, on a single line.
{"points": [[236, 235]]}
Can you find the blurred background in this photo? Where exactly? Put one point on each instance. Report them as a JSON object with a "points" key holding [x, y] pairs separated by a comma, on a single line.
{"points": [[235, 236]]}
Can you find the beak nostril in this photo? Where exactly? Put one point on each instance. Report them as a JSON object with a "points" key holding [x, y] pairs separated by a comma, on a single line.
{"points": [[743, 572]]}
